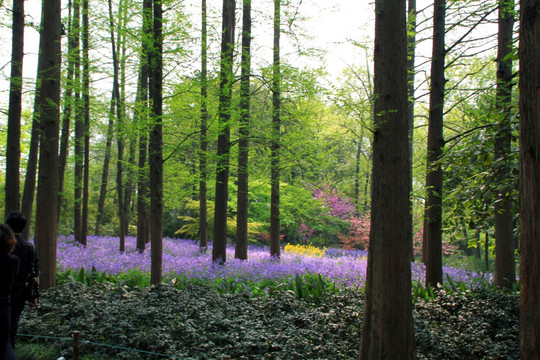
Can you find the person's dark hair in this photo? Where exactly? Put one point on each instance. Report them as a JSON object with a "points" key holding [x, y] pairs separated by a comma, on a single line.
{"points": [[16, 221], [7, 240]]}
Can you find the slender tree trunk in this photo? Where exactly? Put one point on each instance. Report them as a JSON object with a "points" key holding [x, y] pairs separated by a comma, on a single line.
{"points": [[66, 114], [219, 249], [486, 251], [275, 249], [434, 177], [505, 265], [127, 134], [477, 253], [79, 126], [49, 102], [411, 53], [143, 226], [203, 169], [143, 219], [106, 165], [529, 166], [156, 148], [86, 113], [243, 142], [31, 166], [119, 133], [13, 148], [387, 329], [357, 172]]}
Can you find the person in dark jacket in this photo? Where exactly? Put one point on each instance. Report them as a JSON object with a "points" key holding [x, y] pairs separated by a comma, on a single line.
{"points": [[9, 265], [25, 287]]}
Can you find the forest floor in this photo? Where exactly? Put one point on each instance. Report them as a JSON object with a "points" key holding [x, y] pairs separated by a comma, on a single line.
{"points": [[197, 322]]}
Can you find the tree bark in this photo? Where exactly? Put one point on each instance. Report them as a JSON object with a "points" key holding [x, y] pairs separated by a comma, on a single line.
{"points": [[49, 101], [529, 149], [143, 225], [219, 249], [203, 169], [434, 176], [106, 165], [31, 166], [13, 148], [387, 329], [66, 114], [411, 53], [119, 133], [505, 264], [86, 119], [275, 249], [243, 142], [156, 148], [79, 126]]}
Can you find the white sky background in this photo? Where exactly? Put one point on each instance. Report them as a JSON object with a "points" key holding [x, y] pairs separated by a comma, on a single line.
{"points": [[330, 25]]}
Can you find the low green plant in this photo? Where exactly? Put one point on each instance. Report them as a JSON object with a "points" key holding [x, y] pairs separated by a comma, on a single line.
{"points": [[198, 322], [311, 287]]}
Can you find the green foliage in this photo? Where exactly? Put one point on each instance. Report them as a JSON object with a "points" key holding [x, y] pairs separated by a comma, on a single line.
{"points": [[31, 351], [311, 287], [468, 325], [199, 322], [131, 278], [190, 226]]}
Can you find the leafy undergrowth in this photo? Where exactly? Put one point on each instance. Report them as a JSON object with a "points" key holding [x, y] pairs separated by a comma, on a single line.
{"points": [[197, 322]]}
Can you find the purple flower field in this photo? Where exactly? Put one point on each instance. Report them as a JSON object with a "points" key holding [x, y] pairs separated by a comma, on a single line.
{"points": [[182, 258]]}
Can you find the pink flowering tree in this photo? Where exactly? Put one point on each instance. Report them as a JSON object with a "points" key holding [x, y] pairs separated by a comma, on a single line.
{"points": [[337, 222]]}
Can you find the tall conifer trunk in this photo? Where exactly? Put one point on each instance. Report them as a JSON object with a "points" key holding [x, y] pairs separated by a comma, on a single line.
{"points": [[219, 249], [49, 63], [79, 125], [434, 176], [119, 132], [203, 170], [68, 107], [143, 225], [243, 142], [156, 147], [86, 118], [529, 174], [387, 329], [13, 148], [275, 249], [505, 264]]}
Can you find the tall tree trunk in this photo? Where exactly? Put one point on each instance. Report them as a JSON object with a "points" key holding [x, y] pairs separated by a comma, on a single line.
{"points": [[434, 176], [79, 126], [66, 114], [203, 170], [219, 253], [387, 330], [119, 133], [49, 102], [275, 249], [106, 165], [529, 165], [505, 266], [31, 166], [127, 134], [156, 148], [143, 220], [13, 148], [86, 116], [411, 53], [243, 142]]}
